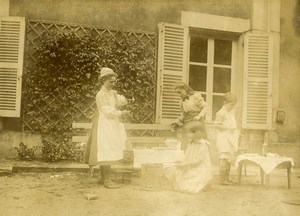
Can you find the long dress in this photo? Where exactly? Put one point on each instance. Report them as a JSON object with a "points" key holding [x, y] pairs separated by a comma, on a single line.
{"points": [[193, 178], [227, 140], [107, 138]]}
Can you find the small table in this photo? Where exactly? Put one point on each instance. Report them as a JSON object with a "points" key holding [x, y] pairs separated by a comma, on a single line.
{"points": [[266, 164]]}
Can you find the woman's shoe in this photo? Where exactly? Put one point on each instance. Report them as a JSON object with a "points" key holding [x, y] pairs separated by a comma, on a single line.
{"points": [[100, 181], [101, 175]]}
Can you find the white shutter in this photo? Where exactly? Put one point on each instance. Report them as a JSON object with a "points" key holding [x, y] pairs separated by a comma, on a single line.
{"points": [[172, 63], [12, 36], [257, 93]]}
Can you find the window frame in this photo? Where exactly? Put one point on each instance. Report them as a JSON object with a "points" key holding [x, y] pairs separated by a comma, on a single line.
{"points": [[226, 27], [218, 25], [210, 68]]}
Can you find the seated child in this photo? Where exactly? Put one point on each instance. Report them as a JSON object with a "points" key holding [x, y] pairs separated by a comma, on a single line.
{"points": [[194, 171]]}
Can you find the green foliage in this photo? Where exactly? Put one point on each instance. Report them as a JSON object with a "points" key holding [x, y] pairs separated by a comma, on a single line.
{"points": [[64, 81], [25, 153], [59, 151]]}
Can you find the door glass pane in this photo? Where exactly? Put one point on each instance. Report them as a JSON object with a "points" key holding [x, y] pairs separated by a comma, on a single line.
{"points": [[198, 49], [197, 79], [222, 80], [217, 105], [223, 49]]}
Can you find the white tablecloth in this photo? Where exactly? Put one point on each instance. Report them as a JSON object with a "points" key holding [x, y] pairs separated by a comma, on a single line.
{"points": [[164, 156], [267, 163]]}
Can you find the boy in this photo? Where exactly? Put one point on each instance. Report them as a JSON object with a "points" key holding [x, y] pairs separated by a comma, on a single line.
{"points": [[227, 137]]}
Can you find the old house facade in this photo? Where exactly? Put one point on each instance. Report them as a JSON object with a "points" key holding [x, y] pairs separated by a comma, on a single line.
{"points": [[248, 47]]}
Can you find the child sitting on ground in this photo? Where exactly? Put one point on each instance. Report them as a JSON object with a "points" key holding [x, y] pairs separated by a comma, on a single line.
{"points": [[227, 137], [194, 171]]}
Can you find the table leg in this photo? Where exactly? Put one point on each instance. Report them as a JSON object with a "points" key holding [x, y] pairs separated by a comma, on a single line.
{"points": [[262, 176], [240, 167], [289, 176], [245, 169], [267, 180]]}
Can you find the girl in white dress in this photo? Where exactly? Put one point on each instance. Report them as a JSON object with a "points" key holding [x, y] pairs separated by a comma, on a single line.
{"points": [[194, 171], [107, 139]]}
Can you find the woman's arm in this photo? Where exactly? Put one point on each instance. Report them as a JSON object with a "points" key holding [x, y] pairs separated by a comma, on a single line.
{"points": [[103, 105], [120, 99], [200, 102]]}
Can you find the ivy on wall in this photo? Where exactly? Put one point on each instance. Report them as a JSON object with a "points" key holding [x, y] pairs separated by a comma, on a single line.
{"points": [[64, 81]]}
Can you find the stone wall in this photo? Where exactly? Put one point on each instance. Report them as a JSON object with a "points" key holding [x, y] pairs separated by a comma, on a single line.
{"points": [[141, 15], [144, 15], [9, 140]]}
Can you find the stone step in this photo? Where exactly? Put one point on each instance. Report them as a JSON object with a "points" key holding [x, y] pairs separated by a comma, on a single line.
{"points": [[5, 169]]}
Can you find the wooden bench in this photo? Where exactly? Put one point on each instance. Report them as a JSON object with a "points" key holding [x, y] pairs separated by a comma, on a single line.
{"points": [[139, 136], [159, 133]]}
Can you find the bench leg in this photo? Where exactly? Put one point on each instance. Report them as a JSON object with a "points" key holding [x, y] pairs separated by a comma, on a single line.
{"points": [[289, 173], [240, 167], [91, 171]]}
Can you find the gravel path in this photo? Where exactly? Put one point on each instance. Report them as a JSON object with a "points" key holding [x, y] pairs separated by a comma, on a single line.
{"points": [[77, 194]]}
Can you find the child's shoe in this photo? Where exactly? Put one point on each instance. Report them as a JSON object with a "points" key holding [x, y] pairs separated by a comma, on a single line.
{"points": [[207, 188], [226, 182], [230, 181]]}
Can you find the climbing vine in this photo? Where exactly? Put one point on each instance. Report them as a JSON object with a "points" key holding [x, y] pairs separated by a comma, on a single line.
{"points": [[64, 82]]}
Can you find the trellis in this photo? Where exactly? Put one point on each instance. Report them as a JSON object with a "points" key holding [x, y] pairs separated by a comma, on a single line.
{"points": [[84, 112]]}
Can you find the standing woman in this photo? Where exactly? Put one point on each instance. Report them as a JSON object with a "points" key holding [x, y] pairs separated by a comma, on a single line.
{"points": [[107, 139], [194, 108]]}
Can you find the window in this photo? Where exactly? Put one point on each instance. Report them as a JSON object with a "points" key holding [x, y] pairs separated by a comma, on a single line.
{"points": [[211, 69], [208, 60]]}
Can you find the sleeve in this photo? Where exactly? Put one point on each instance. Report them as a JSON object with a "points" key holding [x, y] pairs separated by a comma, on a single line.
{"points": [[120, 100], [219, 117], [104, 107], [199, 101]]}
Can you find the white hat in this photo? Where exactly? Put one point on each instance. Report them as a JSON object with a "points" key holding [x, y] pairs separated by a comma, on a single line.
{"points": [[106, 71]]}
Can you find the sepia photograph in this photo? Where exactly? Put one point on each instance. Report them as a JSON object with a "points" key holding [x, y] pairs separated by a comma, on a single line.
{"points": [[150, 107]]}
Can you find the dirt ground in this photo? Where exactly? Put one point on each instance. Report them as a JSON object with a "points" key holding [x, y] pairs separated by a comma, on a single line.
{"points": [[67, 194]]}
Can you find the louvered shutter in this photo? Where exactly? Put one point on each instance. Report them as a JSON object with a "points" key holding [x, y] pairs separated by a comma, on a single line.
{"points": [[172, 63], [12, 36], [257, 95]]}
